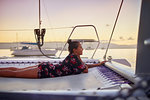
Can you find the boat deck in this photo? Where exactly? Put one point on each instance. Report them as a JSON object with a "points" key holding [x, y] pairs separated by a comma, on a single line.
{"points": [[98, 78]]}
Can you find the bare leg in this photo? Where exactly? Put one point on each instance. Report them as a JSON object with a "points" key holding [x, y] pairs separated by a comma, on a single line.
{"points": [[9, 68], [26, 73], [15, 69]]}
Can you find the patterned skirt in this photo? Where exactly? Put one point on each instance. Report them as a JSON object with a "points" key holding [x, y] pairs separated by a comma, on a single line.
{"points": [[46, 70]]}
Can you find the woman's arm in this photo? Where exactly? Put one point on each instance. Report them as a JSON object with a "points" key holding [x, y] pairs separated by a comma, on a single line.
{"points": [[92, 65], [95, 65]]}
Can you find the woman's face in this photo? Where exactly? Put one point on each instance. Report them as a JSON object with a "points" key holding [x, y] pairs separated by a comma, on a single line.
{"points": [[79, 50]]}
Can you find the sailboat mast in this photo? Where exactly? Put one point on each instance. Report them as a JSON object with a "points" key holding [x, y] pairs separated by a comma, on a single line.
{"points": [[39, 14]]}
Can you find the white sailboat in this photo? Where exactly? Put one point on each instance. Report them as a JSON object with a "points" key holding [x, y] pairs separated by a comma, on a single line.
{"points": [[27, 51]]}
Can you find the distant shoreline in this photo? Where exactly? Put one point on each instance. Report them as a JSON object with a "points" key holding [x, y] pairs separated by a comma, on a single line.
{"points": [[59, 45]]}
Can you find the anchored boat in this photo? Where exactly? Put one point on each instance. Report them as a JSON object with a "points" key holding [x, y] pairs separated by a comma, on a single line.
{"points": [[27, 51]]}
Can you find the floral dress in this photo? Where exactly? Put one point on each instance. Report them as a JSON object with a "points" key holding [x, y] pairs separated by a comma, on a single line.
{"points": [[70, 65]]}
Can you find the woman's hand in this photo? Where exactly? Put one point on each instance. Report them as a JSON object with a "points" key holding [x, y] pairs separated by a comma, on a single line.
{"points": [[102, 63], [96, 65]]}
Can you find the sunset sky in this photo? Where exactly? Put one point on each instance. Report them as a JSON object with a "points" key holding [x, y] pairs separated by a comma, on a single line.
{"points": [[22, 15]]}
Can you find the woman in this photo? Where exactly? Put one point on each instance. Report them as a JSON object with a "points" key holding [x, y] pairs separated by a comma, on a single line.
{"points": [[72, 64]]}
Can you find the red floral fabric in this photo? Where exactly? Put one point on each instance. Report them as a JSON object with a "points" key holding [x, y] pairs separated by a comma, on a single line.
{"points": [[70, 65]]}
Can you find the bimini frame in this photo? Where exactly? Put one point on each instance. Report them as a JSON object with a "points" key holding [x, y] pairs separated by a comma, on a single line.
{"points": [[72, 33]]}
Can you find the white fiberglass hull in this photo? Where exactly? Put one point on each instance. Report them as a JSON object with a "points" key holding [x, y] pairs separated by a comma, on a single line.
{"points": [[34, 52]]}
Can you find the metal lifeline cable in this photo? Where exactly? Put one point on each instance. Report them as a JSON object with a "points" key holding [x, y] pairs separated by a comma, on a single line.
{"points": [[49, 22], [40, 47], [32, 29], [17, 30], [60, 27], [113, 29], [56, 28], [37, 38]]}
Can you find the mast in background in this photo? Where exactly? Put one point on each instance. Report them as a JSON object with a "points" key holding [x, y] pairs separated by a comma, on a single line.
{"points": [[17, 41], [40, 14]]}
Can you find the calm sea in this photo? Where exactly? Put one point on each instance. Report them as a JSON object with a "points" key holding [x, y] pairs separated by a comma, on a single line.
{"points": [[128, 54]]}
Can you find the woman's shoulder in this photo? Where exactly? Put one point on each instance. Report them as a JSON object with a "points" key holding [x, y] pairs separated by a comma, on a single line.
{"points": [[69, 58], [72, 55]]}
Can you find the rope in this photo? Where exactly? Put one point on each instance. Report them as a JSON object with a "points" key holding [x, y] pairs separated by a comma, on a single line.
{"points": [[113, 29], [38, 44]]}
